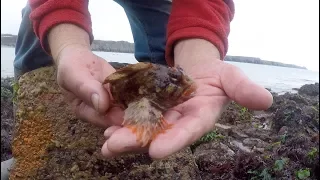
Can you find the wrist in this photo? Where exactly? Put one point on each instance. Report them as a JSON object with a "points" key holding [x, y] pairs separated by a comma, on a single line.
{"points": [[66, 37], [191, 53]]}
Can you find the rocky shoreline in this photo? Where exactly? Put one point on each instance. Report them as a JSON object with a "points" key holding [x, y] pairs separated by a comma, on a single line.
{"points": [[279, 143]]}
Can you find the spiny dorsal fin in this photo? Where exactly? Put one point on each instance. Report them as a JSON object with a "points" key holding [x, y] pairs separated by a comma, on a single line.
{"points": [[127, 71]]}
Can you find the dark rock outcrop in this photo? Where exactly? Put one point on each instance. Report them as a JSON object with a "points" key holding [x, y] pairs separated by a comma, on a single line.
{"points": [[310, 89]]}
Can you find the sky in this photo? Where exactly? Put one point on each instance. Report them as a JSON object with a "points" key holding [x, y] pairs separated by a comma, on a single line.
{"points": [[276, 30]]}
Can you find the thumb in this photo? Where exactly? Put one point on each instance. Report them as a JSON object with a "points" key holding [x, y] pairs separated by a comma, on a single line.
{"points": [[244, 91], [80, 81]]}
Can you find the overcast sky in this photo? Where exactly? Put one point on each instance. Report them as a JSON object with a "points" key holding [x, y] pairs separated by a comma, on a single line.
{"points": [[277, 30]]}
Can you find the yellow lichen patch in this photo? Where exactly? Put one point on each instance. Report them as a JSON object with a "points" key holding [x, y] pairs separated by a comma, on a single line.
{"points": [[29, 146]]}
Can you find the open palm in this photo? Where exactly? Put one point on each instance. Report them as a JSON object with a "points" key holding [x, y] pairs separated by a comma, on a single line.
{"points": [[218, 83]]}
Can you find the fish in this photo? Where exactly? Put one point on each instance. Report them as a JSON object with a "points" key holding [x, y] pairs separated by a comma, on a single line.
{"points": [[146, 91]]}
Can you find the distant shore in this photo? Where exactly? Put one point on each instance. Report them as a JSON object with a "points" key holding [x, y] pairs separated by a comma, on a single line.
{"points": [[9, 40]]}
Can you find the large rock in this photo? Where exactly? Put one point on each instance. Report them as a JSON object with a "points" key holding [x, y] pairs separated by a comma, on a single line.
{"points": [[50, 143], [310, 89]]}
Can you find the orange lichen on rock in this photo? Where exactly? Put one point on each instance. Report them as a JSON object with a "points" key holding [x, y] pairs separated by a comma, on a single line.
{"points": [[33, 133], [33, 137]]}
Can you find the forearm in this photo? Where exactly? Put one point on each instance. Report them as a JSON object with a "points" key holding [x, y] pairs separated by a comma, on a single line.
{"points": [[190, 53], [65, 35]]}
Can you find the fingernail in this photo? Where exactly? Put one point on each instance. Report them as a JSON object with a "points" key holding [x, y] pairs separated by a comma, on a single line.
{"points": [[110, 130], [95, 101], [107, 133]]}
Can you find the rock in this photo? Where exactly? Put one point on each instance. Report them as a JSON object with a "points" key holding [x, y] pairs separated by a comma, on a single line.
{"points": [[315, 138], [237, 134], [234, 114], [298, 112], [5, 145], [313, 112], [287, 98], [283, 130], [217, 161], [295, 89], [295, 118], [299, 99], [263, 134], [262, 116], [260, 150], [213, 159], [240, 146], [310, 89], [244, 164], [223, 129], [301, 149], [262, 120], [7, 122], [50, 143], [254, 142], [7, 83]]}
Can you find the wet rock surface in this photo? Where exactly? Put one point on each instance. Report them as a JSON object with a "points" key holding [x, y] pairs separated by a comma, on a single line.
{"points": [[279, 143]]}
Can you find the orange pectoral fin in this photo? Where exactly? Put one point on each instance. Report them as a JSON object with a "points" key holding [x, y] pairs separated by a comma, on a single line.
{"points": [[164, 125], [138, 131], [132, 128]]}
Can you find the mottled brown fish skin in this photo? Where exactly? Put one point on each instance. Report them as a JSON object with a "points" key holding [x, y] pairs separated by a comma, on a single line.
{"points": [[164, 86]]}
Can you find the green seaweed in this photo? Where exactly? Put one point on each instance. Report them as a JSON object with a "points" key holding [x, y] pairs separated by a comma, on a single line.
{"points": [[312, 153], [303, 173], [208, 137], [280, 163]]}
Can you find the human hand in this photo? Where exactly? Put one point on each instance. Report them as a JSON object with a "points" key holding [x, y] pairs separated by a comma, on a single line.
{"points": [[80, 74], [218, 83]]}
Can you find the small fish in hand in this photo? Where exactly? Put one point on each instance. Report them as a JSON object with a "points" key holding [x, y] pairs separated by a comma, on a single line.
{"points": [[146, 91]]}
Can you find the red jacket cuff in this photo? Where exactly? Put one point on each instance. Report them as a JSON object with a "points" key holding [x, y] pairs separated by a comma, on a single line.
{"points": [[59, 16]]}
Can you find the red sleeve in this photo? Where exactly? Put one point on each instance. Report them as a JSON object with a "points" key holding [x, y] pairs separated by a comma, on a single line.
{"points": [[204, 19], [46, 14]]}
